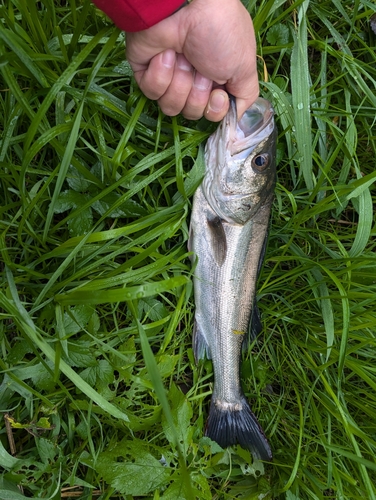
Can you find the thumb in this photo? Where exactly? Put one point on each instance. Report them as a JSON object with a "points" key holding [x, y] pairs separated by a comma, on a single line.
{"points": [[243, 104], [245, 89]]}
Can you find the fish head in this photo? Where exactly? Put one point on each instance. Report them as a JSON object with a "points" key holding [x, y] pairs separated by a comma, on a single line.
{"points": [[240, 163]]}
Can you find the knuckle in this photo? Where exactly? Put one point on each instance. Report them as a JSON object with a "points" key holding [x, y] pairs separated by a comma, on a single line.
{"points": [[193, 112], [192, 116], [155, 84], [153, 92], [169, 109]]}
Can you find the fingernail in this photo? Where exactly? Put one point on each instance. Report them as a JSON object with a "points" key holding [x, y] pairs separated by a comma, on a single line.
{"points": [[202, 83], [217, 101], [183, 64], [168, 58]]}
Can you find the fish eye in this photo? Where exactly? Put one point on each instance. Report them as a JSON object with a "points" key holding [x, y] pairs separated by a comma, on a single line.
{"points": [[260, 162]]}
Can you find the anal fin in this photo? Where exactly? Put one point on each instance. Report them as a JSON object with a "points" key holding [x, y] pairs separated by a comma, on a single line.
{"points": [[201, 349]]}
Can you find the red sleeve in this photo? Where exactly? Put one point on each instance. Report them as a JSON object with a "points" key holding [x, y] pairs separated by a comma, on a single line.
{"points": [[138, 15]]}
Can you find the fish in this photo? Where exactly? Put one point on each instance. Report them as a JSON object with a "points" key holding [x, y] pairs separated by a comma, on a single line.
{"points": [[227, 240], [372, 23]]}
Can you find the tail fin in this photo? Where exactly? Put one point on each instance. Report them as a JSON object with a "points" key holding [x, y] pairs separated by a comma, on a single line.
{"points": [[236, 424]]}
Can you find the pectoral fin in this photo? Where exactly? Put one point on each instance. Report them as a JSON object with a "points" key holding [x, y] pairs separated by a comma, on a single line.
{"points": [[218, 240]]}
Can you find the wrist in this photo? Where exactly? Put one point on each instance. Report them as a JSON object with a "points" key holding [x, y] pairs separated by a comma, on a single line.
{"points": [[184, 4]]}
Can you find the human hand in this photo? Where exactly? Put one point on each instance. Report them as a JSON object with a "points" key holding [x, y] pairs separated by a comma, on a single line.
{"points": [[189, 60]]}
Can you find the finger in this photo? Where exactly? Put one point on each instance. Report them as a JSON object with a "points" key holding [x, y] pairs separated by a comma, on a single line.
{"points": [[156, 79], [198, 97], [218, 105], [245, 91], [243, 104], [175, 97]]}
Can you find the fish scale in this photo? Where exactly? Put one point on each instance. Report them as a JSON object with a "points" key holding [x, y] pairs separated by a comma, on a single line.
{"points": [[228, 231]]}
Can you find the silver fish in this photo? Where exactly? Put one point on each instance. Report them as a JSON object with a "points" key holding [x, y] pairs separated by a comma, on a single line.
{"points": [[228, 233]]}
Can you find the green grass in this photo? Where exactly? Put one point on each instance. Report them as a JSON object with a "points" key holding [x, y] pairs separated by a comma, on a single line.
{"points": [[99, 394]]}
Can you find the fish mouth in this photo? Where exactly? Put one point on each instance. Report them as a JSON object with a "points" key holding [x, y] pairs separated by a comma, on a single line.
{"points": [[255, 125]]}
